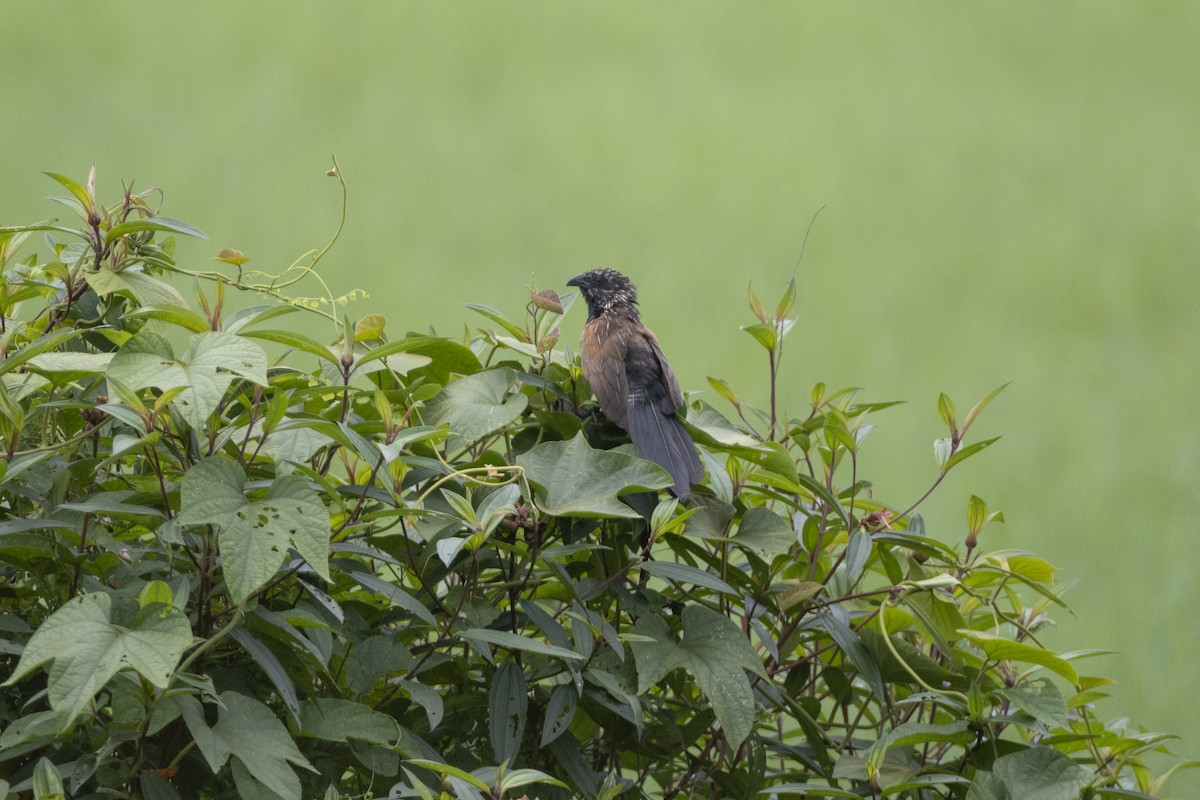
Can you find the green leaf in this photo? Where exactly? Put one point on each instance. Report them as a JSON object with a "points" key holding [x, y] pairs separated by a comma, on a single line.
{"points": [[982, 404], [391, 592], [155, 787], [154, 224], [155, 592], [818, 490], [939, 616], [808, 790], [560, 711], [787, 301], [911, 733], [764, 532], [298, 341], [998, 648], [765, 334], [272, 667], [1042, 700], [911, 782], [508, 706], [516, 778], [370, 328], [478, 404], [711, 429], [947, 413], [581, 482], [715, 651], [47, 783], [1041, 773], [85, 363], [756, 305], [405, 360], [725, 390], [255, 535], [976, 514], [21, 525], [452, 772], [147, 291], [204, 372], [986, 786], [175, 315], [684, 574], [834, 623], [512, 641], [426, 697], [111, 503], [372, 659], [40, 345], [498, 318], [75, 188], [968, 451], [797, 592], [88, 649], [248, 731], [1031, 568], [335, 720]]}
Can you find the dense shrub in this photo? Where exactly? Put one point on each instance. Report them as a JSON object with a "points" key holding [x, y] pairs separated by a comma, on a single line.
{"points": [[239, 560]]}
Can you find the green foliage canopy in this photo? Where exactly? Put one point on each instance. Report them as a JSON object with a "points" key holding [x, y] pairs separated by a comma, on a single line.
{"points": [[239, 555]]}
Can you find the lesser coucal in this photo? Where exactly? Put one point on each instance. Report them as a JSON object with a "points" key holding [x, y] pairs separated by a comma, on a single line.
{"points": [[631, 378]]}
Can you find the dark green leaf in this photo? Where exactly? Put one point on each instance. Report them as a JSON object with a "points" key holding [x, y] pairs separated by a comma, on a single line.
{"points": [[684, 574], [274, 670], [715, 651], [335, 720], [1041, 773], [512, 641], [508, 704], [560, 711], [912, 733], [391, 592], [834, 623]]}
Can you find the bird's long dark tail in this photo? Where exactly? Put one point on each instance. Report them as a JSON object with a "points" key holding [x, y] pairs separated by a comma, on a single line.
{"points": [[661, 438]]}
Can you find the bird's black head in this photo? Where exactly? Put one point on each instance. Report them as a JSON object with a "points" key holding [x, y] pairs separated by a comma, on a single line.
{"points": [[606, 290]]}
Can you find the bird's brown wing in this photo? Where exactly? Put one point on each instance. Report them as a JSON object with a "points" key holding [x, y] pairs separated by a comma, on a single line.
{"points": [[670, 382], [604, 346]]}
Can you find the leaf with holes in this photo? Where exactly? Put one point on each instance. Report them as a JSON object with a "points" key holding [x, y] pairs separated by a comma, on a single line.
{"points": [[255, 534]]}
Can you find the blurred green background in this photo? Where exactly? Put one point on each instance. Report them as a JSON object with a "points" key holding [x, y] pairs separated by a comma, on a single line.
{"points": [[1011, 193]]}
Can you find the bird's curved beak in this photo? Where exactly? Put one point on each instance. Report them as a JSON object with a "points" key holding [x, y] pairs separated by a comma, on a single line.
{"points": [[579, 281]]}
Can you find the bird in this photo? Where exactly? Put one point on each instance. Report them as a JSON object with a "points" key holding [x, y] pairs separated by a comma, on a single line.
{"points": [[631, 379]]}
